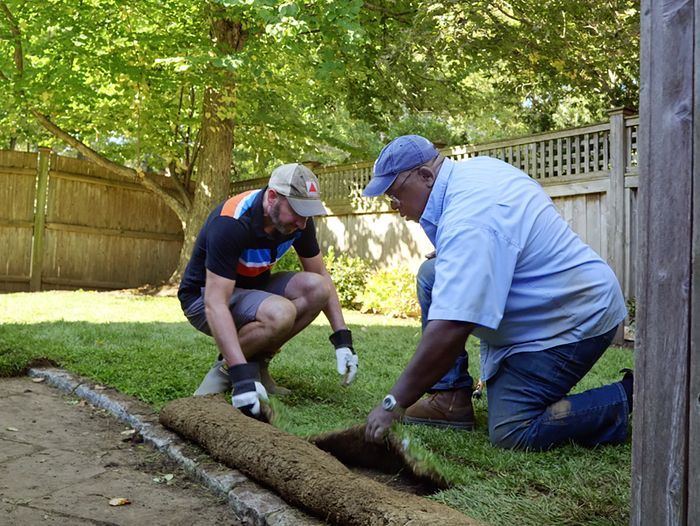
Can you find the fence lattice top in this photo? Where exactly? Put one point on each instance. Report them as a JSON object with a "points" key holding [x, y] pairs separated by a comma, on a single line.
{"points": [[563, 156]]}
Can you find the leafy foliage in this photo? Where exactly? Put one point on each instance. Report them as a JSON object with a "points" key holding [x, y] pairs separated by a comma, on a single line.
{"points": [[349, 275], [94, 65], [391, 292], [555, 56], [289, 262], [320, 80]]}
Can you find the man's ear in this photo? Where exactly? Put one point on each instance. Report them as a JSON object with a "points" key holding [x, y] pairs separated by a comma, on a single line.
{"points": [[427, 175]]}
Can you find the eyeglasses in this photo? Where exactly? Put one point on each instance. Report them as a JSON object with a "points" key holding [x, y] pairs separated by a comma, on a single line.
{"points": [[395, 202]]}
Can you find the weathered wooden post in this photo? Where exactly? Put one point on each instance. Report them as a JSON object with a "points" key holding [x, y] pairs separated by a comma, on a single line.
{"points": [[37, 257], [616, 198], [666, 454], [616, 191]]}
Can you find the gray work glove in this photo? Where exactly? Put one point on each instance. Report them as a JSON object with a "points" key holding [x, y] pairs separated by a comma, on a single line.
{"points": [[247, 389], [346, 358]]}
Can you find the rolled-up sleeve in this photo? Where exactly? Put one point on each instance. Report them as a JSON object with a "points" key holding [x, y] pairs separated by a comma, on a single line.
{"points": [[474, 271]]}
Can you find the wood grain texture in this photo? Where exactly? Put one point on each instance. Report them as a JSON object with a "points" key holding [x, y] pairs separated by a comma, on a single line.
{"points": [[694, 390], [100, 230], [661, 423]]}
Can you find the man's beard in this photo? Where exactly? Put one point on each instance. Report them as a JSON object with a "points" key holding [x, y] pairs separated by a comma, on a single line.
{"points": [[275, 217]]}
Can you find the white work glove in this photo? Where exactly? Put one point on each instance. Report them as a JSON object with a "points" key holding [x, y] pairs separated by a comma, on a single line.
{"points": [[247, 389], [346, 358]]}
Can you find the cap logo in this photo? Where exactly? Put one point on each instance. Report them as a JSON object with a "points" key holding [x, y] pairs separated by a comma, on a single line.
{"points": [[301, 188], [311, 188]]}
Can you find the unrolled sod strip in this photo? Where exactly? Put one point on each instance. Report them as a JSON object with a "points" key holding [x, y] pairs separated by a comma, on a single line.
{"points": [[301, 473]]}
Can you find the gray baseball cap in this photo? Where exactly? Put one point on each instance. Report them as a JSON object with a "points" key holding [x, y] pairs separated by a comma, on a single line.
{"points": [[300, 186]]}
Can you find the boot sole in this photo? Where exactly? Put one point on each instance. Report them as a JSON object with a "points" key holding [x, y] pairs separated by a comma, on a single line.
{"points": [[445, 424]]}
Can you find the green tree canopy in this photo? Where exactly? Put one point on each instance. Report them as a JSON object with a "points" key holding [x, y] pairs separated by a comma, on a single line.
{"points": [[318, 79], [221, 89]]}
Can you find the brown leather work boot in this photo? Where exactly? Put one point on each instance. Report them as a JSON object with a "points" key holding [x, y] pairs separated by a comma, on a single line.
{"points": [[452, 409]]}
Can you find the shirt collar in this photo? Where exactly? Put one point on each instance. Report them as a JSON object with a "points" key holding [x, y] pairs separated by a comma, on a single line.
{"points": [[433, 208]]}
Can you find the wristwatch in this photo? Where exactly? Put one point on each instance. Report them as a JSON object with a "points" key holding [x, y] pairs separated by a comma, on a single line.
{"points": [[389, 403]]}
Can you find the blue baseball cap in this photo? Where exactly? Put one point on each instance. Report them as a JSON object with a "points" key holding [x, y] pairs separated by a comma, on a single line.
{"points": [[401, 154]]}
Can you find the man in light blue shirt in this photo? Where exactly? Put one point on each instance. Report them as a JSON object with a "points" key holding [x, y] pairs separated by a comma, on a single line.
{"points": [[510, 271]]}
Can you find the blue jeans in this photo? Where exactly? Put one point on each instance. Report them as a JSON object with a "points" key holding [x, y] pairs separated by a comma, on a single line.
{"points": [[527, 402], [529, 409], [458, 375]]}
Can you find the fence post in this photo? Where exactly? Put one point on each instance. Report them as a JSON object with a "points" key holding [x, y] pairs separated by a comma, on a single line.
{"points": [[37, 258], [616, 196]]}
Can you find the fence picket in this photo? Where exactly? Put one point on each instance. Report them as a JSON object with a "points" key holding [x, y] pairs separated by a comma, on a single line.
{"points": [[115, 221]]}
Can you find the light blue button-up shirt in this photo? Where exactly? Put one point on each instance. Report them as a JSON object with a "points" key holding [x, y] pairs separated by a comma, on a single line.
{"points": [[509, 263]]}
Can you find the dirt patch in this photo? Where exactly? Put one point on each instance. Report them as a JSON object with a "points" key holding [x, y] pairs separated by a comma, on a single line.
{"points": [[388, 463], [300, 472], [62, 461]]}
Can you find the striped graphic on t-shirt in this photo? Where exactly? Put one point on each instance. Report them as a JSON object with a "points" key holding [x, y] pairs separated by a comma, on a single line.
{"points": [[253, 261], [236, 206]]}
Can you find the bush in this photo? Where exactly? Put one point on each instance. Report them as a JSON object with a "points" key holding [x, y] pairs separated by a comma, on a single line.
{"points": [[391, 292], [632, 309], [288, 263], [349, 276]]}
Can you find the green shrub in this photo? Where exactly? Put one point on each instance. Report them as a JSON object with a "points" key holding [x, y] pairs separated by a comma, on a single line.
{"points": [[349, 276], [632, 308], [288, 263], [391, 292]]}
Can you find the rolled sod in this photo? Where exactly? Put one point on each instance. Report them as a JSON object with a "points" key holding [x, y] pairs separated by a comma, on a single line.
{"points": [[298, 471]]}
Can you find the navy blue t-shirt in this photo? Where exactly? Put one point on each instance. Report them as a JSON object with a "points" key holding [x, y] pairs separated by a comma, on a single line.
{"points": [[233, 245]]}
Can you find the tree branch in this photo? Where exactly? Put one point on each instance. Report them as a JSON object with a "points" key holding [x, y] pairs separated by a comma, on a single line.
{"points": [[512, 16], [387, 12], [17, 37], [146, 179], [182, 192]]}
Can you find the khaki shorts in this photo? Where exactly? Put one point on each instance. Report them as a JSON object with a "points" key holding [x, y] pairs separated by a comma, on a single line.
{"points": [[243, 304]]}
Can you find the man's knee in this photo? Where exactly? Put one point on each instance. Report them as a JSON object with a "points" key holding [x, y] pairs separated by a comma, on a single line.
{"points": [[512, 433], [277, 314], [313, 288]]}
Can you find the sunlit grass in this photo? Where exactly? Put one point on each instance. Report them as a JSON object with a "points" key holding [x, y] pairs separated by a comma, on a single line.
{"points": [[144, 347]]}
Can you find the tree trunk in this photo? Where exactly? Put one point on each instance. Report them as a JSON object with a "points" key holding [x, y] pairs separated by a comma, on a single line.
{"points": [[215, 156]]}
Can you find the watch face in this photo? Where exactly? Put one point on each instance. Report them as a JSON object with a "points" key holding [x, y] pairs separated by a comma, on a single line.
{"points": [[388, 403]]}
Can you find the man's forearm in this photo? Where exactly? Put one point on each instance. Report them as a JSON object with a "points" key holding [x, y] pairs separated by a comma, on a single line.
{"points": [[441, 344], [225, 334], [333, 311]]}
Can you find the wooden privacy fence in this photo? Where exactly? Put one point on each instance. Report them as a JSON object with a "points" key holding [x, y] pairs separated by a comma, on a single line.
{"points": [[67, 223], [590, 173]]}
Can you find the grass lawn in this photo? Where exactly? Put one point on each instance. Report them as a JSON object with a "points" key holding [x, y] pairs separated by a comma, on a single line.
{"points": [[143, 346]]}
